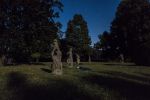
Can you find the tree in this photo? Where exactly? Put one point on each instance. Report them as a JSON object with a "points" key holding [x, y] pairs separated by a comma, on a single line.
{"points": [[11, 39], [77, 35], [104, 45], [130, 30], [27, 27]]}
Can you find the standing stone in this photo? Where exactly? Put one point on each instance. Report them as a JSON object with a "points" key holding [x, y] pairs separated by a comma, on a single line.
{"points": [[78, 59], [121, 58], [70, 58], [56, 57]]}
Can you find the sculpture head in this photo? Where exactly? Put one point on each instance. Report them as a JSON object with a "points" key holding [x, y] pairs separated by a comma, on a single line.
{"points": [[55, 44], [55, 41]]}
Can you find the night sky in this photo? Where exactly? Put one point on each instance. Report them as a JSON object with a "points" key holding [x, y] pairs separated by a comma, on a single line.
{"points": [[98, 14]]}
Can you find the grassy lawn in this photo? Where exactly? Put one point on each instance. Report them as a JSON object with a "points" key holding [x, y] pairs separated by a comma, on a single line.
{"points": [[95, 81]]}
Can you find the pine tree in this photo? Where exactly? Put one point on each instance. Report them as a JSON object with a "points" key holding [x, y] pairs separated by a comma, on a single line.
{"points": [[104, 44], [77, 35]]}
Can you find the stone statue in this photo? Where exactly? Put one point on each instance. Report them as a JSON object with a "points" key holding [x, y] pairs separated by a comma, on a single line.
{"points": [[56, 57], [121, 58], [70, 58], [78, 59]]}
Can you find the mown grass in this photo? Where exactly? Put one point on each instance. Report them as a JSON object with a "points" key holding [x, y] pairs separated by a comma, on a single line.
{"points": [[95, 81]]}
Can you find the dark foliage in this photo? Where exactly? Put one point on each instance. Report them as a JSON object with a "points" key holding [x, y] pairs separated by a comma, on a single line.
{"points": [[130, 31], [77, 36], [27, 27], [103, 47]]}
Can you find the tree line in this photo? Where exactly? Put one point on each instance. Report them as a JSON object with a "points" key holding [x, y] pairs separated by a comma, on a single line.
{"points": [[129, 33], [27, 29]]}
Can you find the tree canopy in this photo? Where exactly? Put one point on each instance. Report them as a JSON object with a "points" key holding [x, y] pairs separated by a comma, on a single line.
{"points": [[77, 35], [27, 26], [130, 30]]}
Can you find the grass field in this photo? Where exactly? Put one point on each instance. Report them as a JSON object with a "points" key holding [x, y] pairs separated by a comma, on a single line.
{"points": [[95, 81]]}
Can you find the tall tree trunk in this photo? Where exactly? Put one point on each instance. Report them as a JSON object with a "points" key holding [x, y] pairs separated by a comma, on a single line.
{"points": [[37, 60], [89, 59], [1, 62], [70, 58], [4, 60]]}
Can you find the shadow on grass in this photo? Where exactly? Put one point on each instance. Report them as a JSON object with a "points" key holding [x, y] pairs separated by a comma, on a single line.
{"points": [[46, 70], [34, 63], [120, 64], [127, 89], [22, 89], [84, 69], [146, 75], [127, 76]]}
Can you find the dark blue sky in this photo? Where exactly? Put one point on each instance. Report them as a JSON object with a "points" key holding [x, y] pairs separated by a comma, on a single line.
{"points": [[98, 14]]}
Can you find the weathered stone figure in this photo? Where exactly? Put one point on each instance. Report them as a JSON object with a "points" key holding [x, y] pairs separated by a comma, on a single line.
{"points": [[78, 59], [70, 58], [56, 57], [121, 58]]}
